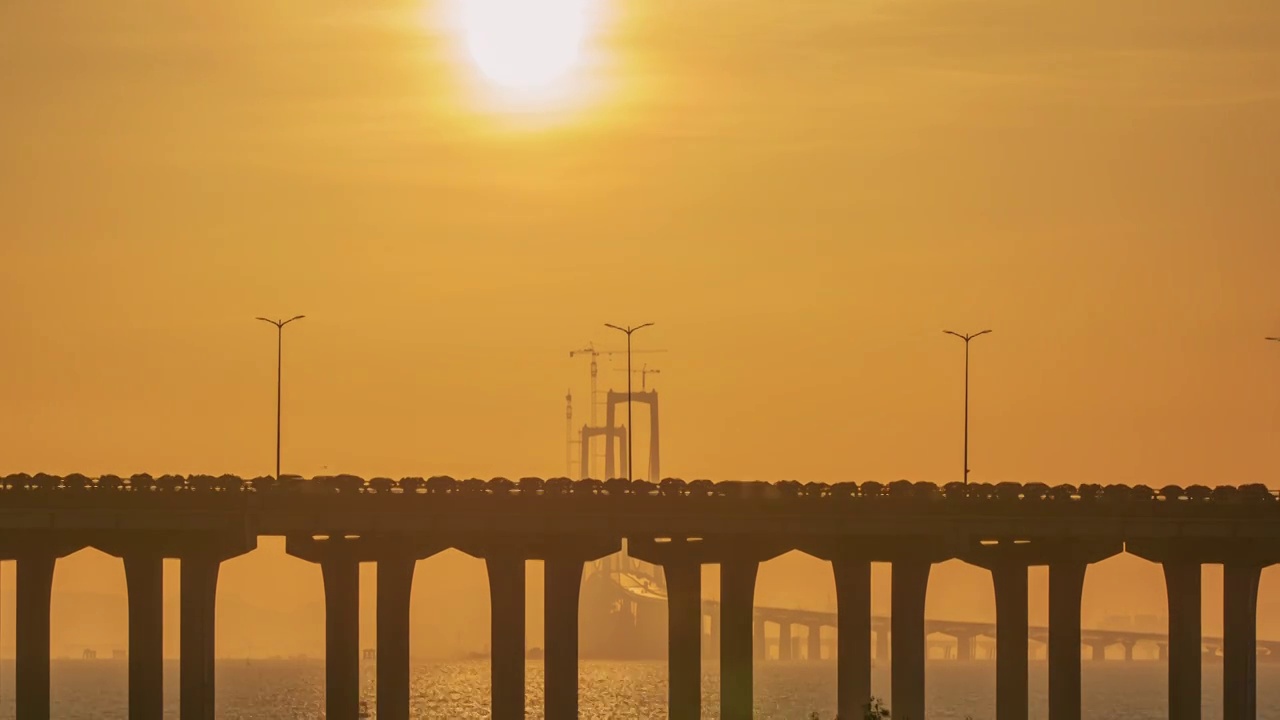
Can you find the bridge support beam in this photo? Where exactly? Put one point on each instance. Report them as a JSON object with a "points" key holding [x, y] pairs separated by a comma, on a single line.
{"points": [[562, 568], [339, 561], [1066, 583], [910, 583], [506, 602], [882, 644], [341, 636], [681, 563], [562, 585], [815, 643], [198, 589], [784, 640], [684, 632], [737, 598], [1240, 640], [1012, 698], [1182, 583], [144, 578], [395, 585], [964, 647], [31, 673], [853, 635]]}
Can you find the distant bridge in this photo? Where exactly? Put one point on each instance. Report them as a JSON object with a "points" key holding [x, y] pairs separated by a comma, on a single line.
{"points": [[643, 589], [339, 522]]}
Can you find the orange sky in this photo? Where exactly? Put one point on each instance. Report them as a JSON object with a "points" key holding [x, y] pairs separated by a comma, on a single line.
{"points": [[801, 195]]}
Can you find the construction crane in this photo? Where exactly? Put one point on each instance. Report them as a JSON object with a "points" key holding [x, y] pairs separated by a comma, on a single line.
{"points": [[643, 372], [591, 351]]}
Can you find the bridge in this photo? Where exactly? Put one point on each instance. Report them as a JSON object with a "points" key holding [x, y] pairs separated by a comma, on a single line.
{"points": [[962, 632], [644, 592], [339, 522]]}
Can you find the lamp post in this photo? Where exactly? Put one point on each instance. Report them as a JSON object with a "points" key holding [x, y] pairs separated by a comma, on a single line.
{"points": [[966, 338], [279, 366], [628, 330]]}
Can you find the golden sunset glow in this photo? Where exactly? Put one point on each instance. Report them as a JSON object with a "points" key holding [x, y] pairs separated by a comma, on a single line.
{"points": [[524, 44]]}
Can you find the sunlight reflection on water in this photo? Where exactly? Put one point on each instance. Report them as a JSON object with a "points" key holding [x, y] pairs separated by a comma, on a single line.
{"points": [[294, 690]]}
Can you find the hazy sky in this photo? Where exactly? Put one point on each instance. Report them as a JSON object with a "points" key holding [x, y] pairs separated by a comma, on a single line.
{"points": [[802, 195]]}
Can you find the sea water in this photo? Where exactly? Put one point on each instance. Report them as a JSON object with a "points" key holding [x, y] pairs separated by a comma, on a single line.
{"points": [[294, 690]]}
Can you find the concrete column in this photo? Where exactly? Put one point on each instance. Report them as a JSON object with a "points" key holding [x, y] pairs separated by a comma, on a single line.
{"points": [[341, 637], [1128, 651], [1066, 583], [506, 600], [853, 636], [395, 585], [815, 643], [684, 634], [882, 644], [784, 640], [1162, 654], [1240, 641], [563, 585], [760, 645], [144, 578], [199, 586], [737, 597], [31, 673], [1012, 698], [906, 683], [964, 647]]}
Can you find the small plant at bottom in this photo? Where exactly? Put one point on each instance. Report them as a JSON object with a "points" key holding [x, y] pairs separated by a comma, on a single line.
{"points": [[875, 710]]}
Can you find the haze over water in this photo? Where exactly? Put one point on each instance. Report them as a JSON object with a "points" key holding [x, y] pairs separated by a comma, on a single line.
{"points": [[294, 689]]}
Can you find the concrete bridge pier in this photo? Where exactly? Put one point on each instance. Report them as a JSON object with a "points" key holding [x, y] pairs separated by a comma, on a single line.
{"points": [[341, 577], [31, 672], [339, 561], [1240, 640], [1066, 583], [1128, 650], [1012, 695], [684, 593], [395, 586], [506, 645], [964, 647], [563, 587], [144, 579], [198, 587], [1181, 562], [784, 640], [681, 563], [1068, 562], [1098, 650], [737, 597], [906, 672], [853, 634], [882, 644], [815, 643], [739, 564]]}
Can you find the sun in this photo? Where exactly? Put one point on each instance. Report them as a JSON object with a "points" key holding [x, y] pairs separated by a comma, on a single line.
{"points": [[524, 44]]}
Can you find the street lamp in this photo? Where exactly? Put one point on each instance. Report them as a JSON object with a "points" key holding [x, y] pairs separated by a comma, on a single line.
{"points": [[966, 339], [279, 365], [628, 330]]}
